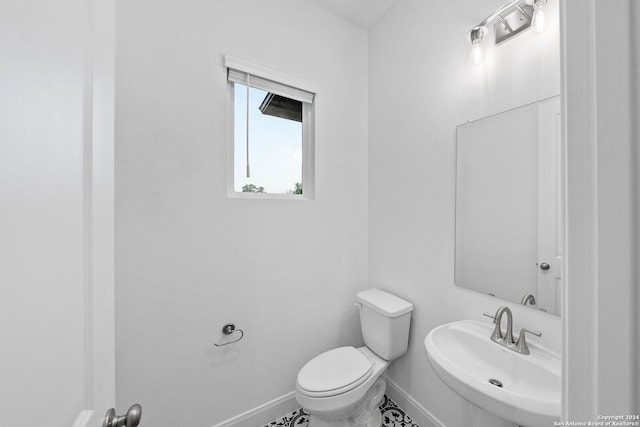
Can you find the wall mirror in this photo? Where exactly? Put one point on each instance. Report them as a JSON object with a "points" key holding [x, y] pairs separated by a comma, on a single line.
{"points": [[508, 205]]}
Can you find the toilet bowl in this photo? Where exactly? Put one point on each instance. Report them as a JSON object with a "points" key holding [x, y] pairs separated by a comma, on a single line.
{"points": [[343, 386], [351, 401]]}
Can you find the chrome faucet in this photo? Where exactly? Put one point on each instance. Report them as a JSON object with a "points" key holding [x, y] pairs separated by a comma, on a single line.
{"points": [[528, 299], [506, 340], [497, 335]]}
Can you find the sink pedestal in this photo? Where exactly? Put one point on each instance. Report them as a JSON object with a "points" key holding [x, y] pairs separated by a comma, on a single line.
{"points": [[482, 418]]}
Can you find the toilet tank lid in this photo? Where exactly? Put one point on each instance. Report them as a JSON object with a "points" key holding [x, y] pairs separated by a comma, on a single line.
{"points": [[384, 302]]}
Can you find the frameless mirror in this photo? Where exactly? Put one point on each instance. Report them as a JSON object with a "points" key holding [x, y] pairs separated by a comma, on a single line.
{"points": [[508, 205]]}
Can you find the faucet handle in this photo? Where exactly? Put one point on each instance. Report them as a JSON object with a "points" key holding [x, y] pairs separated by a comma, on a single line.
{"points": [[521, 345], [530, 331], [489, 315]]}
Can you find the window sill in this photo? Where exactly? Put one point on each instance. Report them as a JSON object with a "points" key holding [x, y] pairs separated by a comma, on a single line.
{"points": [[266, 196]]}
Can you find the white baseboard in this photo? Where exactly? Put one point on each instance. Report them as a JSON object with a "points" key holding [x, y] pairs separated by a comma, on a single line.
{"points": [[263, 414], [415, 410]]}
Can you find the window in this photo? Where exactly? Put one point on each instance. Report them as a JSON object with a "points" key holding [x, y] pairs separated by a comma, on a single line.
{"points": [[271, 144]]}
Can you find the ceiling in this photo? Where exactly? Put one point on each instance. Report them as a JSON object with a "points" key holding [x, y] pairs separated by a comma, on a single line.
{"points": [[361, 12]]}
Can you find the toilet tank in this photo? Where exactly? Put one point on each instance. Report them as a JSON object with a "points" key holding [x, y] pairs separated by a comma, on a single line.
{"points": [[385, 320]]}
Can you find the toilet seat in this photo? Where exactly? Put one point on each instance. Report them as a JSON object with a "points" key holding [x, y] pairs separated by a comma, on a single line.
{"points": [[334, 372]]}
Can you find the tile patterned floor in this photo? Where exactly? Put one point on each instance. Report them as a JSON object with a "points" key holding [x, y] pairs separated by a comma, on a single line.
{"points": [[392, 416]]}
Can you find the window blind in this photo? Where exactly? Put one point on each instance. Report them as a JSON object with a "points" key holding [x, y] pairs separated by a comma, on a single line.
{"points": [[258, 82]]}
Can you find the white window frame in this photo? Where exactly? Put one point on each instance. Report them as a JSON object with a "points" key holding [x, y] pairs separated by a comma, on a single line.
{"points": [[308, 130]]}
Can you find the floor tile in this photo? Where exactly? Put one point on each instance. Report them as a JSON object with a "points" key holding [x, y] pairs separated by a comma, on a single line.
{"points": [[392, 416]]}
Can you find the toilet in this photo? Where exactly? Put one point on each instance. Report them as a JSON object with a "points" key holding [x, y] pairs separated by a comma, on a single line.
{"points": [[343, 387]]}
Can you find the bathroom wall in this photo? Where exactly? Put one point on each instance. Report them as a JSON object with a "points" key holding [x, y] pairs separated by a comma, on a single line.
{"points": [[189, 259], [421, 86]]}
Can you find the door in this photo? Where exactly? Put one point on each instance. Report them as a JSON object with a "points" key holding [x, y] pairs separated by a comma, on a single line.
{"points": [[56, 212], [99, 214], [549, 266]]}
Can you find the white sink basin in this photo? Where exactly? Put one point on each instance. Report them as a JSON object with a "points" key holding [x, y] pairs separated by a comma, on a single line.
{"points": [[465, 358]]}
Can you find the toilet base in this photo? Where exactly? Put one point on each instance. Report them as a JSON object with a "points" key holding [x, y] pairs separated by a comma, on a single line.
{"points": [[363, 414]]}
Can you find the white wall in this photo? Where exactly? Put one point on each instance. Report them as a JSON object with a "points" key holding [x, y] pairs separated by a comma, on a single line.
{"points": [[421, 86], [42, 311], [188, 259]]}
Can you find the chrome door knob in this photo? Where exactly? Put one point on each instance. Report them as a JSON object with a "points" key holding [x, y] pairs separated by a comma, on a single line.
{"points": [[544, 266], [130, 419]]}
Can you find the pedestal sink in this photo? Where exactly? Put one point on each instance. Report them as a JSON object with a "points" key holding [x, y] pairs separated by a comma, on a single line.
{"points": [[523, 389]]}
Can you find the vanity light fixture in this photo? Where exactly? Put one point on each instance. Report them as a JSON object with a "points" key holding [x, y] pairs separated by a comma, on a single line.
{"points": [[509, 20]]}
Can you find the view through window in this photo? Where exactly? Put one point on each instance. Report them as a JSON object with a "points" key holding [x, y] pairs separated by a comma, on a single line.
{"points": [[274, 159]]}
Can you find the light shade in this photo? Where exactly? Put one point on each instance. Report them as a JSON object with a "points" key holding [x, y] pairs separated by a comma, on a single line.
{"points": [[538, 20], [476, 53]]}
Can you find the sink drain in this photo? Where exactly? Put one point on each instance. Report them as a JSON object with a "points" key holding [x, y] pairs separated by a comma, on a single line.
{"points": [[495, 382]]}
